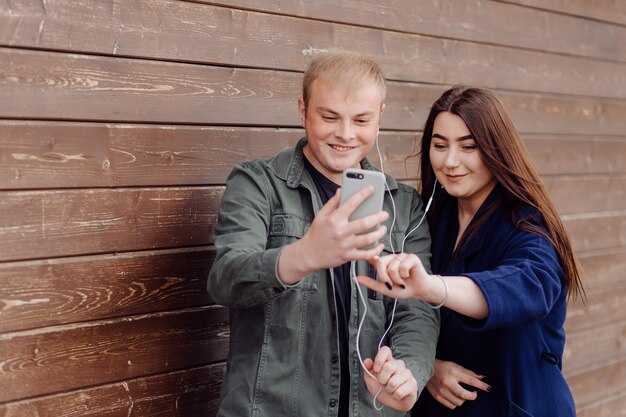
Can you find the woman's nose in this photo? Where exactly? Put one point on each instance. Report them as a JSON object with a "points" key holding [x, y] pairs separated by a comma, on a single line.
{"points": [[452, 159]]}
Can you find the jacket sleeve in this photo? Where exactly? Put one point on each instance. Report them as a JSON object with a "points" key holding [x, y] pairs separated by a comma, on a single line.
{"points": [[244, 271], [416, 325], [523, 287]]}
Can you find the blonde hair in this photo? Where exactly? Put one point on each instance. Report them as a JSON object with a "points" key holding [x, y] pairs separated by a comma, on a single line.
{"points": [[344, 69]]}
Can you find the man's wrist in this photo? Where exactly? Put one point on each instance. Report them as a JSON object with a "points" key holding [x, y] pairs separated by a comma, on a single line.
{"points": [[293, 264]]}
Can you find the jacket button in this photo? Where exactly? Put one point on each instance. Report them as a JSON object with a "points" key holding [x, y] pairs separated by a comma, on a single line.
{"points": [[332, 403], [550, 358], [334, 359]]}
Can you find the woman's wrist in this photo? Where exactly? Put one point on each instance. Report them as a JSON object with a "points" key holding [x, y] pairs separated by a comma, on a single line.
{"points": [[444, 292]]}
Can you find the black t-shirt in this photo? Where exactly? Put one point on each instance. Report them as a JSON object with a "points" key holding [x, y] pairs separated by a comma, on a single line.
{"points": [[327, 189]]}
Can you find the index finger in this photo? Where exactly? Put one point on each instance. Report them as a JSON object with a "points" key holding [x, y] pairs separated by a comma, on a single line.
{"points": [[332, 204], [474, 381], [383, 356], [348, 206]]}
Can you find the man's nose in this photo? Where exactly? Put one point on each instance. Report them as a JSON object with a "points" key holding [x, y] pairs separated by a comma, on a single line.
{"points": [[345, 131]]}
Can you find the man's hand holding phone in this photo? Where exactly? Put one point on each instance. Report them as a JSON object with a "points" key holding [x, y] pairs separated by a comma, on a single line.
{"points": [[337, 235]]}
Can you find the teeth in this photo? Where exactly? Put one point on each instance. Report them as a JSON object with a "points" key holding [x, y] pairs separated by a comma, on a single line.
{"points": [[341, 148]]}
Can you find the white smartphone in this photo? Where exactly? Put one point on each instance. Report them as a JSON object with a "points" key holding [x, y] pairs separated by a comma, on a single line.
{"points": [[353, 181]]}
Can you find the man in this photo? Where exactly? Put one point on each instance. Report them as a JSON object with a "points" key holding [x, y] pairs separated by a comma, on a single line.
{"points": [[282, 266]]}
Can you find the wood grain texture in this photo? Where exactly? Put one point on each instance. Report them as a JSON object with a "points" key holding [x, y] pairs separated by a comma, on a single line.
{"points": [[58, 154], [604, 270], [604, 10], [473, 20], [120, 121], [80, 289], [48, 85], [42, 224], [597, 230], [73, 356], [587, 194], [573, 154], [177, 31], [598, 384], [613, 406], [602, 345], [604, 307], [193, 392]]}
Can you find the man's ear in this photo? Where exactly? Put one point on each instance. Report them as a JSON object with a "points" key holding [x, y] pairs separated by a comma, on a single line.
{"points": [[382, 110], [302, 110]]}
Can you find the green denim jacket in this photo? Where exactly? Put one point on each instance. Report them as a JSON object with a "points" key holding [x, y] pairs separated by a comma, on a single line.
{"points": [[283, 354]]}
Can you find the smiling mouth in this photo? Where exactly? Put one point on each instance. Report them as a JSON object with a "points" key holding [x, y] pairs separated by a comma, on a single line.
{"points": [[454, 177], [342, 148]]}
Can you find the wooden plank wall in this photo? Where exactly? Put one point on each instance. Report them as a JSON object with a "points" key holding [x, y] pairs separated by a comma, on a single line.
{"points": [[120, 120]]}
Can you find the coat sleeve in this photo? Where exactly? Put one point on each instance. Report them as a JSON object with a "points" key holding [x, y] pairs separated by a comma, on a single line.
{"points": [[523, 287], [416, 325], [244, 271]]}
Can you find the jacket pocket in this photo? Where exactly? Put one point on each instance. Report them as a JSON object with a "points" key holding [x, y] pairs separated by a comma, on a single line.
{"points": [[517, 411], [284, 229]]}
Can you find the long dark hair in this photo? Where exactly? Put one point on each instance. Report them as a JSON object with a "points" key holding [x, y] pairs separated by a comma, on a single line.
{"points": [[506, 157]]}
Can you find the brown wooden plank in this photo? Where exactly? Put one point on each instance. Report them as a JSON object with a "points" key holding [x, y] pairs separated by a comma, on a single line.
{"points": [[603, 308], [585, 194], [462, 19], [177, 30], [604, 270], [592, 348], [596, 230], [606, 10], [193, 392], [60, 155], [69, 357], [613, 406], [240, 38], [570, 154], [552, 114], [43, 224], [596, 384], [82, 87], [67, 290], [45, 85]]}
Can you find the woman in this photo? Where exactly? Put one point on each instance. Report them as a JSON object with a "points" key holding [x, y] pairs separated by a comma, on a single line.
{"points": [[507, 262]]}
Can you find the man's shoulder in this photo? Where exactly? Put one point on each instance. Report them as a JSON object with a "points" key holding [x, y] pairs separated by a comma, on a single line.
{"points": [[406, 191], [263, 165]]}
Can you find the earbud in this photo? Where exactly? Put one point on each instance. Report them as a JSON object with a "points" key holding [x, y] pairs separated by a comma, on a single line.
{"points": [[430, 200]]}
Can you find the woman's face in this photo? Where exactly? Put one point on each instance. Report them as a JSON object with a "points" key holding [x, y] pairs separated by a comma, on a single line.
{"points": [[457, 162]]}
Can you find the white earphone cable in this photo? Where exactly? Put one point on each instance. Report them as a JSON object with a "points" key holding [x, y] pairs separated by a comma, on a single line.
{"points": [[353, 273]]}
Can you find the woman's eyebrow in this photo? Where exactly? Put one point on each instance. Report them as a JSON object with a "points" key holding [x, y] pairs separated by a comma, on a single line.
{"points": [[440, 136]]}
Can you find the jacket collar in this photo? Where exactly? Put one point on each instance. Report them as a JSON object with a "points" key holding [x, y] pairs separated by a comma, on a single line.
{"points": [[484, 233], [289, 166], [449, 224]]}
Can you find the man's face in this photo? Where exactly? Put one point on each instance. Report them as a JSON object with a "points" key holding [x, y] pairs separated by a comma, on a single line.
{"points": [[341, 129]]}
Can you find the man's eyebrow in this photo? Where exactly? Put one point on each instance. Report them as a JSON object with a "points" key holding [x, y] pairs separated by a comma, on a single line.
{"points": [[466, 137], [322, 109], [326, 109]]}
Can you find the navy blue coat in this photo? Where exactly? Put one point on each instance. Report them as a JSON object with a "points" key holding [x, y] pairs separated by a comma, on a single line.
{"points": [[519, 346]]}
